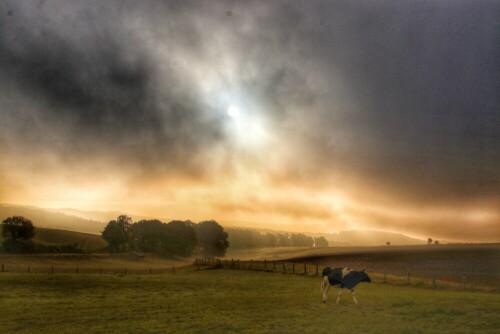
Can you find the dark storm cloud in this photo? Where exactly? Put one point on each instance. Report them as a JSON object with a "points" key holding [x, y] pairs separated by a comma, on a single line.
{"points": [[419, 88], [88, 73]]}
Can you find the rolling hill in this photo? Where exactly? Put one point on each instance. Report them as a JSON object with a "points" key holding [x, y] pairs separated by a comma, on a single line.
{"points": [[94, 222], [44, 218]]}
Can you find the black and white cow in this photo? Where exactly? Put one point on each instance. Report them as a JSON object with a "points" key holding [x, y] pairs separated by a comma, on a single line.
{"points": [[343, 278]]}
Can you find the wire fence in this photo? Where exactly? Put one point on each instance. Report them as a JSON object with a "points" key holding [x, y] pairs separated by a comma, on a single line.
{"points": [[87, 270], [429, 278]]}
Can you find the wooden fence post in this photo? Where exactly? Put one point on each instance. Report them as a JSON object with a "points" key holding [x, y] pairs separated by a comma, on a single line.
{"points": [[385, 276], [125, 273], [150, 271], [274, 265], [76, 270], [305, 269], [198, 266], [265, 264], [101, 271], [173, 269], [317, 270], [284, 268], [250, 264], [293, 267], [52, 270]]}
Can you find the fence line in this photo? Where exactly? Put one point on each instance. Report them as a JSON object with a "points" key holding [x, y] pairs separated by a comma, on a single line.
{"points": [[433, 278], [86, 270]]}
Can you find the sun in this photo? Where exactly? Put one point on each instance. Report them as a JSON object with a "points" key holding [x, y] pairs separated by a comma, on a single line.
{"points": [[233, 112]]}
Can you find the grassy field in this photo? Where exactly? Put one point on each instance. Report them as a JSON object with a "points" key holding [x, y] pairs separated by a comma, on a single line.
{"points": [[221, 301], [89, 262]]}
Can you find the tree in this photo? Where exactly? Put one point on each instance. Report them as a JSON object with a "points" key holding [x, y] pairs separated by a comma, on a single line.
{"points": [[436, 242], [429, 241], [270, 240], [182, 238], [147, 236], [212, 239], [321, 242], [172, 239], [388, 243], [284, 240], [117, 234], [301, 240], [17, 227]]}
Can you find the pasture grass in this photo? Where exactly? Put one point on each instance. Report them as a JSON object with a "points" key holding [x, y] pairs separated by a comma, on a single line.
{"points": [[232, 301]]}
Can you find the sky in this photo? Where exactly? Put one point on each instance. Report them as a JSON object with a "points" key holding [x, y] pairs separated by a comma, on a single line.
{"points": [[314, 116]]}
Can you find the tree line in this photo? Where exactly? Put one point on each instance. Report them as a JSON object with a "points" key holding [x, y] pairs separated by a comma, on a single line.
{"points": [[246, 238], [176, 238]]}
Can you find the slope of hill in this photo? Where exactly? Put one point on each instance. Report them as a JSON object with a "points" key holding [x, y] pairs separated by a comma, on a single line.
{"points": [[84, 241], [43, 218], [348, 238], [370, 238]]}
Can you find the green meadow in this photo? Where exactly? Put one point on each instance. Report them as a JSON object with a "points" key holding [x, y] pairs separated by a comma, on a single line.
{"points": [[232, 301]]}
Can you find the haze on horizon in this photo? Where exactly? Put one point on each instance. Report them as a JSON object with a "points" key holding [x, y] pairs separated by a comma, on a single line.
{"points": [[316, 116]]}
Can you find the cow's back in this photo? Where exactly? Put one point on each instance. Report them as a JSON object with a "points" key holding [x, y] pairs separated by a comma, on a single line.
{"points": [[334, 275]]}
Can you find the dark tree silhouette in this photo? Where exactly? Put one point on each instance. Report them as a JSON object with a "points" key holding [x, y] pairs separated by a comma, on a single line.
{"points": [[321, 242], [17, 227], [429, 241], [174, 238], [183, 239], [301, 240], [212, 239], [116, 233], [147, 235]]}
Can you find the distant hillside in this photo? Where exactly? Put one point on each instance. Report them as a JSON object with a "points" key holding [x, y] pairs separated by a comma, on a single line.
{"points": [[43, 218], [370, 238], [101, 216], [95, 221], [341, 238], [105, 216], [84, 241]]}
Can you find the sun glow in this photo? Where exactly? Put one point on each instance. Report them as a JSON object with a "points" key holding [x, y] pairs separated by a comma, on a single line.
{"points": [[233, 112]]}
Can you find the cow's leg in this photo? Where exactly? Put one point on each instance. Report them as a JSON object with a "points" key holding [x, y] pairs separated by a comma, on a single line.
{"points": [[354, 296], [325, 286], [338, 297]]}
